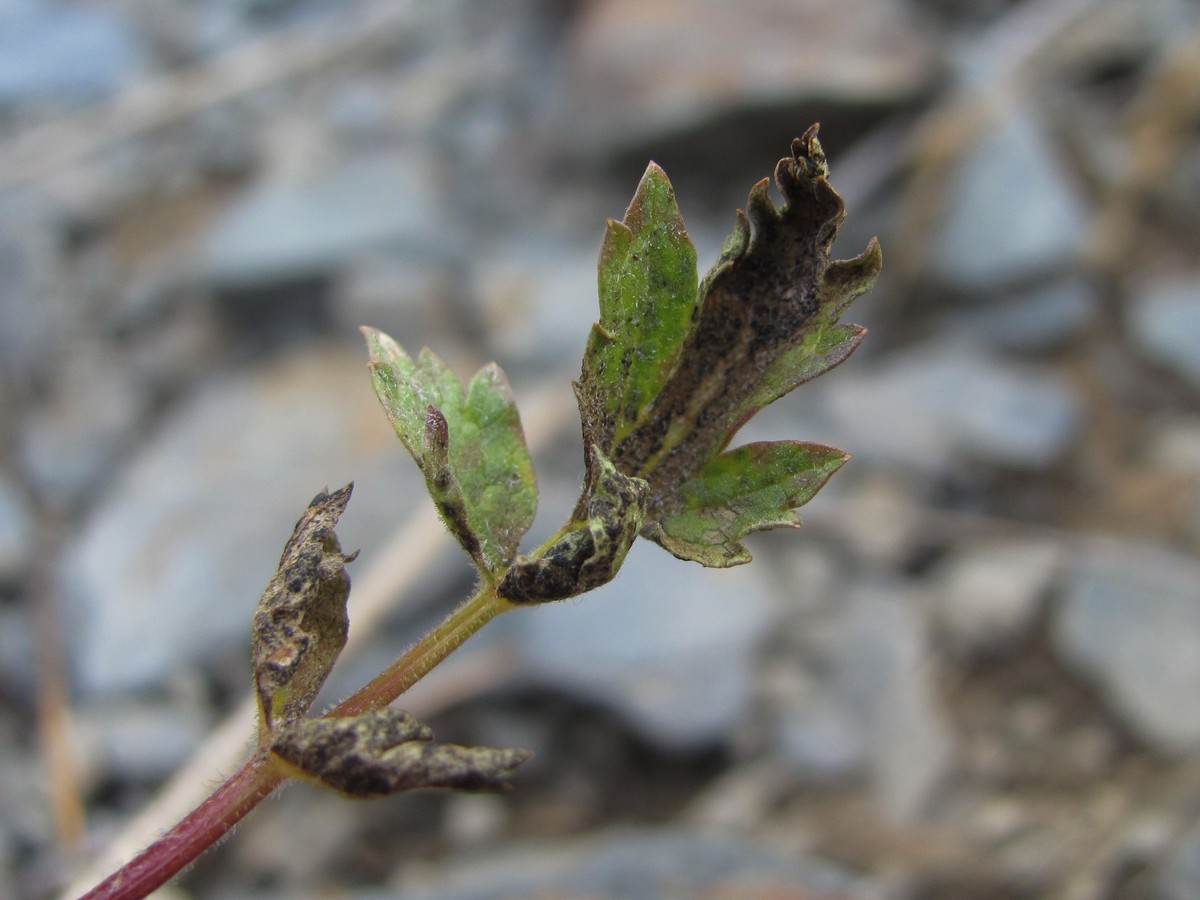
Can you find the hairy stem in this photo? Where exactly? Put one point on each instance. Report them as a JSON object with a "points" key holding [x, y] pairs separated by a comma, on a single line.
{"points": [[434, 647], [258, 778], [194, 834]]}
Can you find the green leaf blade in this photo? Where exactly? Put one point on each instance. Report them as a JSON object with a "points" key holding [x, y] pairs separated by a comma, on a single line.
{"points": [[468, 443], [751, 488], [648, 289], [489, 455], [395, 378]]}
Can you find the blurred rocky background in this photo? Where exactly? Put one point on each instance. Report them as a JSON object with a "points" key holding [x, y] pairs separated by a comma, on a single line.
{"points": [[974, 673]]}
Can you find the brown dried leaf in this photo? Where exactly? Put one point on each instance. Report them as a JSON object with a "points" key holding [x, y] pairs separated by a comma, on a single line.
{"points": [[386, 751], [301, 622]]}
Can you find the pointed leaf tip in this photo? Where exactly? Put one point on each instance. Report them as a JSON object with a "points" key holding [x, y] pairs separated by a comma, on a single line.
{"points": [[648, 289]]}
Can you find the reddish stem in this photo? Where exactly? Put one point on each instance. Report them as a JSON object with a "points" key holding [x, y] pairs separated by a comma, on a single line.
{"points": [[258, 778], [422, 657], [195, 833]]}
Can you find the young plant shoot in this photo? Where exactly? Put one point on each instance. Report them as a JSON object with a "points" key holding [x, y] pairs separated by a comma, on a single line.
{"points": [[674, 368]]}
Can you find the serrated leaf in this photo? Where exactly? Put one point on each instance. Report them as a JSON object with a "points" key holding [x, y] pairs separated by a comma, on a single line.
{"points": [[468, 443], [823, 343], [821, 350], [648, 291], [845, 280], [752, 488], [405, 389], [492, 462], [671, 371], [766, 322]]}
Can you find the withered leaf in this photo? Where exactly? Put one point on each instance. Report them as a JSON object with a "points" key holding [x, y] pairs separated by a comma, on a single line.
{"points": [[589, 551], [386, 751], [301, 622], [763, 321]]}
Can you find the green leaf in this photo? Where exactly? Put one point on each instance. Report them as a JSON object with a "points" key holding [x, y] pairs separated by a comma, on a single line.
{"points": [[469, 445], [672, 369], [752, 488], [648, 291]]}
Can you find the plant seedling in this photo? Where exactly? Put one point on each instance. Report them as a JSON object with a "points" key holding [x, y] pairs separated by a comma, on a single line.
{"points": [[674, 368]]}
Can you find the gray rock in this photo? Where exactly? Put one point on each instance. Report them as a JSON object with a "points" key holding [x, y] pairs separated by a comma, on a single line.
{"points": [[203, 29], [48, 50], [819, 739], [1129, 620], [668, 644], [359, 111], [1179, 878], [411, 298], [850, 688], [169, 567], [643, 865], [1165, 322], [319, 821], [315, 225], [1038, 319], [18, 654], [854, 697], [16, 532], [1012, 209], [947, 397], [138, 740], [34, 301], [874, 511], [539, 301], [986, 595], [70, 443], [27, 824], [880, 677], [637, 72], [815, 735]]}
